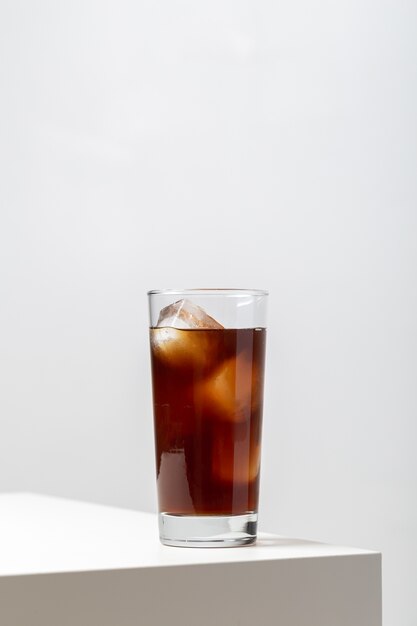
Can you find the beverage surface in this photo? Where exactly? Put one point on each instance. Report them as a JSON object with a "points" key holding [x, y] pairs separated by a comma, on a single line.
{"points": [[207, 392]]}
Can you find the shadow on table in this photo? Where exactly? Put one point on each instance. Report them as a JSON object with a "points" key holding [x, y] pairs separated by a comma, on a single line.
{"points": [[265, 541]]}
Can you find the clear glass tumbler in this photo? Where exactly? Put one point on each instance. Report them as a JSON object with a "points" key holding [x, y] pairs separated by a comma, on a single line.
{"points": [[207, 357]]}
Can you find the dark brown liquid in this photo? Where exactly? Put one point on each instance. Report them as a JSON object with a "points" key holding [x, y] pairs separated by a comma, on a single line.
{"points": [[208, 392]]}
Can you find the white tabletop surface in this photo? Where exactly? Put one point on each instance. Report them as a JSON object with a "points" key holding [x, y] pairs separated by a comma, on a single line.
{"points": [[42, 534]]}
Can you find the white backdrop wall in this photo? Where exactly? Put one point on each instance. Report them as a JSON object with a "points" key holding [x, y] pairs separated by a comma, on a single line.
{"points": [[261, 144]]}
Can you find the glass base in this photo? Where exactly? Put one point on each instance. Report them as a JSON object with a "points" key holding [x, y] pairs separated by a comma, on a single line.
{"points": [[207, 531]]}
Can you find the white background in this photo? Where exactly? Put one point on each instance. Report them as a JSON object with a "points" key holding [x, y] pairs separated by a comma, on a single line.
{"points": [[148, 144]]}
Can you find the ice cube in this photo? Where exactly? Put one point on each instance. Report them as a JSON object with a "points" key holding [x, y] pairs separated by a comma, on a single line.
{"points": [[235, 461], [176, 348], [182, 349], [233, 390], [174, 344], [186, 314]]}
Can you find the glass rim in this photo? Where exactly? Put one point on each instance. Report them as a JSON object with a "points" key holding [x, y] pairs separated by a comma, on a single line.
{"points": [[208, 291]]}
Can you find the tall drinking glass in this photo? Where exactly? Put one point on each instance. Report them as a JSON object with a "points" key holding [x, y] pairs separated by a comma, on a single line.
{"points": [[207, 357]]}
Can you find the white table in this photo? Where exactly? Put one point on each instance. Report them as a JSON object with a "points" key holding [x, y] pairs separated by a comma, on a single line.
{"points": [[72, 563]]}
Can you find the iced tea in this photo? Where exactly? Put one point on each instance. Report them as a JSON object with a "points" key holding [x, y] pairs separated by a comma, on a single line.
{"points": [[208, 395]]}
